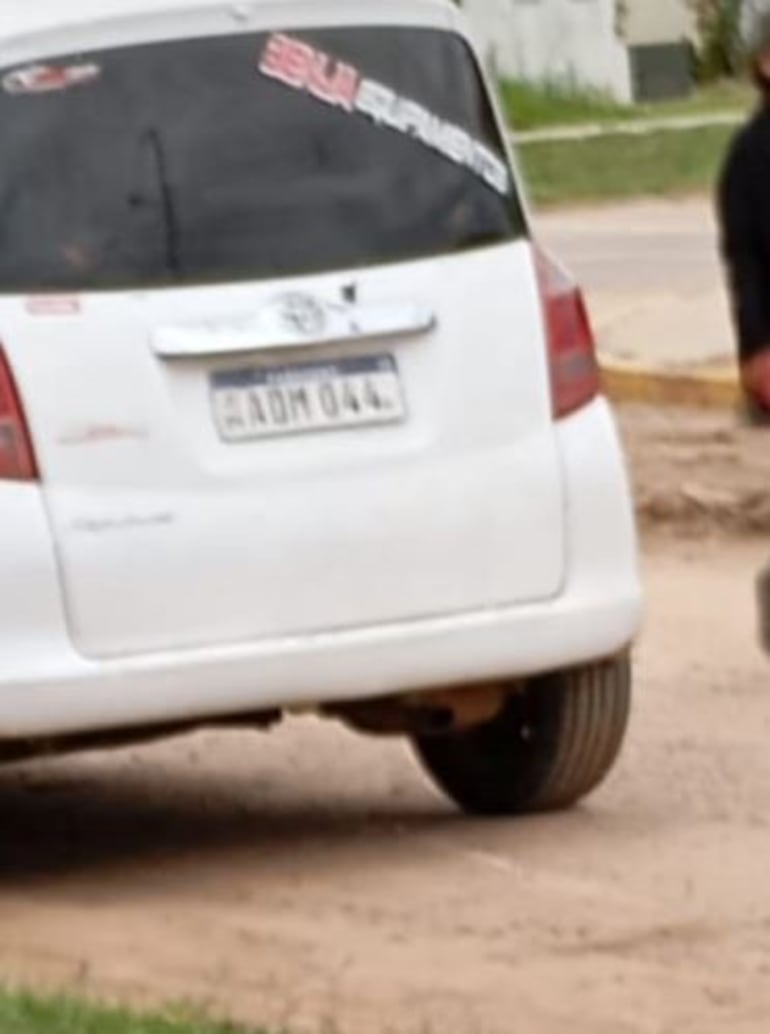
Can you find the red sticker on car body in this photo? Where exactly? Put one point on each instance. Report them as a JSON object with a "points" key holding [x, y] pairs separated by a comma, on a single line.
{"points": [[53, 305]]}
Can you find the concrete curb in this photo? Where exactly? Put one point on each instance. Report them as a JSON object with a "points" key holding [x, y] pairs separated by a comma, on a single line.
{"points": [[637, 127], [711, 388]]}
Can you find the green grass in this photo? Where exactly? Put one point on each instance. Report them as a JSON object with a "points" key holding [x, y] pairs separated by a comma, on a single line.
{"points": [[533, 107], [720, 97], [616, 167], [27, 1014]]}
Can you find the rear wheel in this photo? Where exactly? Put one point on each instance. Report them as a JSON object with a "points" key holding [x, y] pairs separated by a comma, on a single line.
{"points": [[554, 742]]}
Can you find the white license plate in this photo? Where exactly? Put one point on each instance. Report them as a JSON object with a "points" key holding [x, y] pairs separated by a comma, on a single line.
{"points": [[268, 401]]}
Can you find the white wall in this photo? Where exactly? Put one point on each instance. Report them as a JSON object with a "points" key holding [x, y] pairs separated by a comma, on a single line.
{"points": [[658, 21], [753, 9], [569, 41]]}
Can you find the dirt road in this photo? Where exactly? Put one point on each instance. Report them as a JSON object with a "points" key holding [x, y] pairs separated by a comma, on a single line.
{"points": [[698, 472], [654, 281], [312, 878]]}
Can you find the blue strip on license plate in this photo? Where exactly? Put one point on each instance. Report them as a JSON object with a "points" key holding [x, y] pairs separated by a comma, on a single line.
{"points": [[267, 401]]}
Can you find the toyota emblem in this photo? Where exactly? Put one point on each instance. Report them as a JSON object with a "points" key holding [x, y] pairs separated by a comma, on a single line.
{"points": [[302, 314]]}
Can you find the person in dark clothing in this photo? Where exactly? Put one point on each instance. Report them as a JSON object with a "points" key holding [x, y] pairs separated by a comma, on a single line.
{"points": [[744, 216]]}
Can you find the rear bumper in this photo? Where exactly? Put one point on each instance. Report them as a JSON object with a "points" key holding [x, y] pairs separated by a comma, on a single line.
{"points": [[47, 689]]}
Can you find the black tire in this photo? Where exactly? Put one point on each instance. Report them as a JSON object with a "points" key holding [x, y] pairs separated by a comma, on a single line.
{"points": [[554, 743]]}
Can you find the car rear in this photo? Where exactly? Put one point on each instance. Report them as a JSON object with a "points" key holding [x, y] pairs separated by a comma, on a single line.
{"points": [[295, 394]]}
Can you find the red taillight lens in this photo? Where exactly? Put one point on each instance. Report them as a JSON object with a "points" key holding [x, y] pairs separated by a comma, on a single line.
{"points": [[17, 457], [575, 378]]}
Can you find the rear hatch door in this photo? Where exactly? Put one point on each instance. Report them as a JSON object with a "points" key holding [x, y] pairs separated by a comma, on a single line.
{"points": [[273, 315]]}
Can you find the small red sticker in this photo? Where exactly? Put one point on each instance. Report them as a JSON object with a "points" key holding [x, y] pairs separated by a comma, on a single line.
{"points": [[49, 78]]}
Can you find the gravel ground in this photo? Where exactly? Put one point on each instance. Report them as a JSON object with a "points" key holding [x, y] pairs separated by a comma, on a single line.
{"points": [[698, 471], [314, 881]]}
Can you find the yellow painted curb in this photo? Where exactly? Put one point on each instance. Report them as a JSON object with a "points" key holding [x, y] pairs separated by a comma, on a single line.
{"points": [[708, 388]]}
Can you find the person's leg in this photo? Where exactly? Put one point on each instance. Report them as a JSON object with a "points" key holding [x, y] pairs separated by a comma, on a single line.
{"points": [[755, 378], [755, 415]]}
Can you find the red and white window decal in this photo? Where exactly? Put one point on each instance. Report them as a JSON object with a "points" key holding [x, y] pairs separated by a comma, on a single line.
{"points": [[312, 71], [49, 78]]}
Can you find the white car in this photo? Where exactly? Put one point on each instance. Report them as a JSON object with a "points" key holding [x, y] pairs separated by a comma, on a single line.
{"points": [[293, 412]]}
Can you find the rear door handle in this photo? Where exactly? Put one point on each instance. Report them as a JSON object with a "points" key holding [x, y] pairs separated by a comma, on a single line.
{"points": [[292, 325]]}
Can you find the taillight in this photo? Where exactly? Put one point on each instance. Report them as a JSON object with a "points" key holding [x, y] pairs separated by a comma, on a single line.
{"points": [[17, 457], [575, 379]]}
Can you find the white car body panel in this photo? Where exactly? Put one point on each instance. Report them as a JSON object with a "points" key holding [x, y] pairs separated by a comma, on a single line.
{"points": [[169, 538], [160, 575], [32, 29], [47, 688]]}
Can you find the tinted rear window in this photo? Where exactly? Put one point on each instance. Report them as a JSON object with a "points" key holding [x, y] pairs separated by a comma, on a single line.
{"points": [[247, 156]]}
